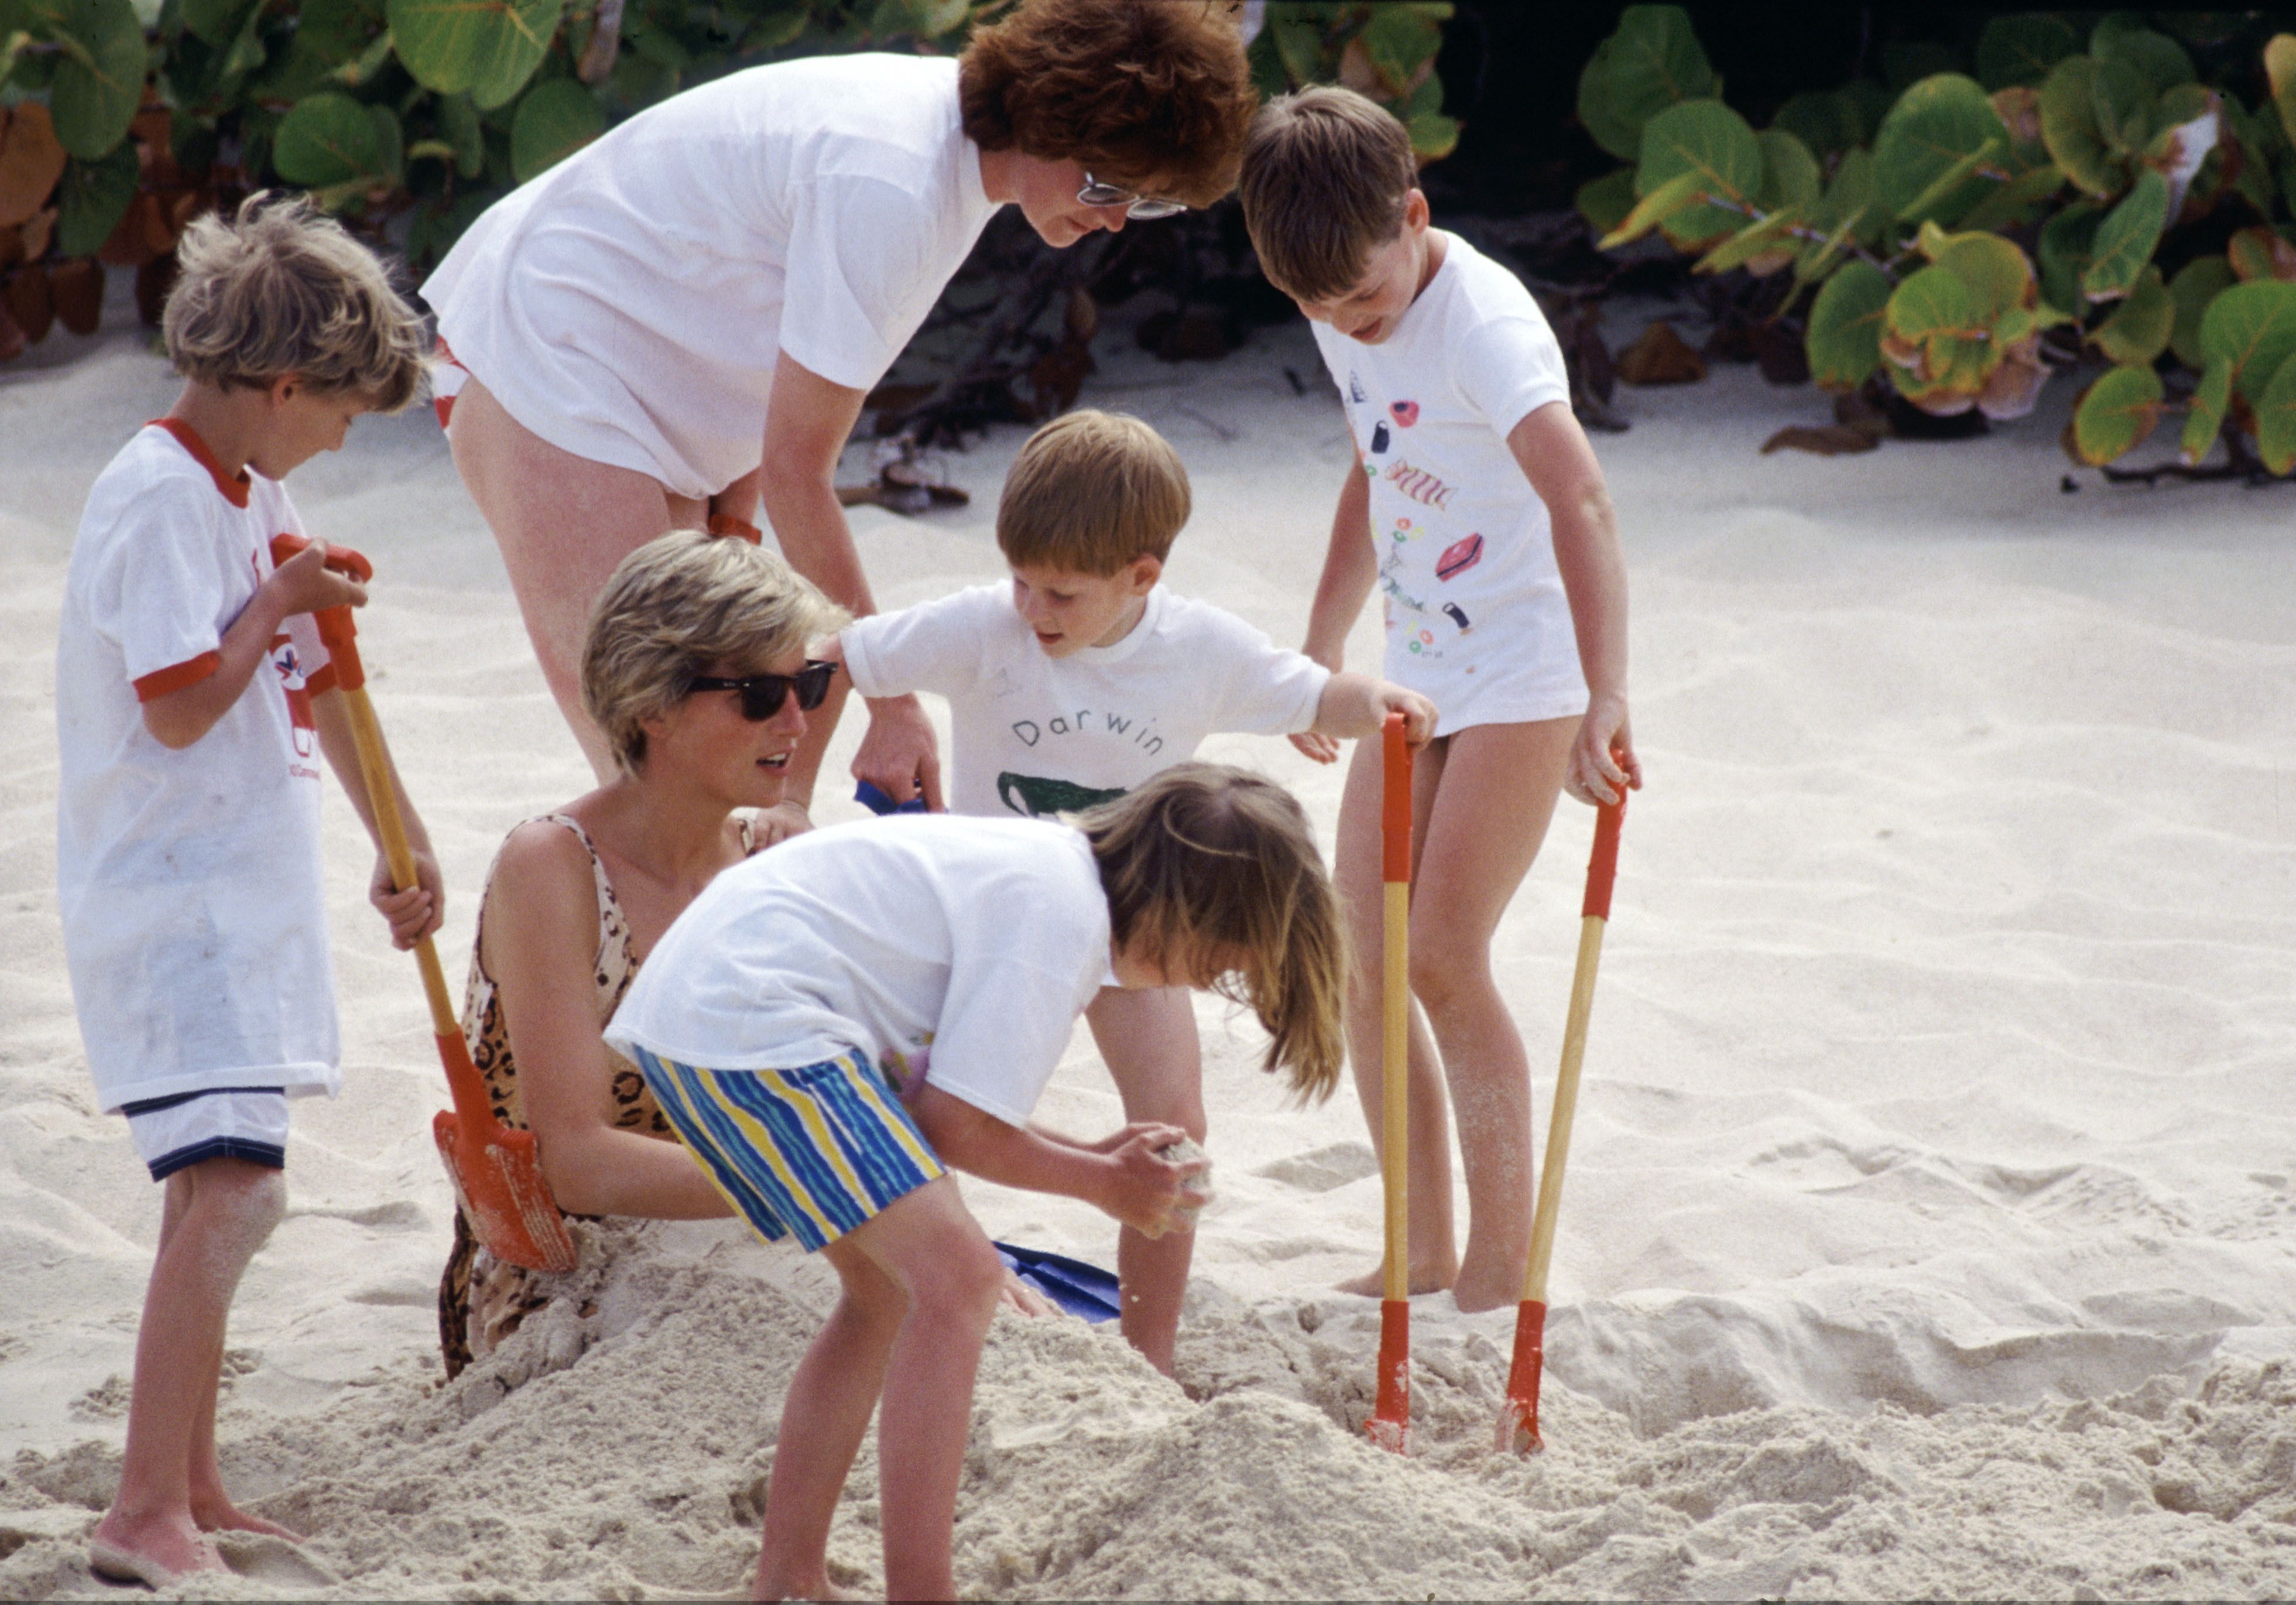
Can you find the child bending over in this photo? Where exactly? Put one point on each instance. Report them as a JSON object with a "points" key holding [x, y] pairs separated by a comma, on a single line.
{"points": [[1477, 509], [193, 699], [1080, 681], [960, 950]]}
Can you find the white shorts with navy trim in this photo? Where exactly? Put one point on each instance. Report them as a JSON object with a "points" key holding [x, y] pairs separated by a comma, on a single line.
{"points": [[222, 1123]]}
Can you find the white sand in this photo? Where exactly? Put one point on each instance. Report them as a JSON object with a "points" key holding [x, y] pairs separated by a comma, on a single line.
{"points": [[1929, 1225]]}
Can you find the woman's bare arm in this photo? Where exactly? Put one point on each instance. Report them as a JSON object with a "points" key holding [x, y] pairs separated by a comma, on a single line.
{"points": [[807, 424], [541, 943]]}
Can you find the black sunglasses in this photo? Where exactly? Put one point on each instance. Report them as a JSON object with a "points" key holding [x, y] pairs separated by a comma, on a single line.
{"points": [[762, 693]]}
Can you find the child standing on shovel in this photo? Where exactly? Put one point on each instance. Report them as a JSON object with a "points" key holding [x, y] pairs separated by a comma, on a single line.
{"points": [[963, 948], [1477, 508], [191, 706]]}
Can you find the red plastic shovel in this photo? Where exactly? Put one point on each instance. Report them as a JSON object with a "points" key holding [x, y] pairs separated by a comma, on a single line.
{"points": [[1390, 1418], [1519, 1417], [496, 1171]]}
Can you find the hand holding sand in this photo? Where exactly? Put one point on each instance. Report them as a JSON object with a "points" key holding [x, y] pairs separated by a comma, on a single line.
{"points": [[1145, 1190], [1187, 1151]]}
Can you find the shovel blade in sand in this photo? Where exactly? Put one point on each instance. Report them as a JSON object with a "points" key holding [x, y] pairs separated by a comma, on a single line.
{"points": [[497, 1180]]}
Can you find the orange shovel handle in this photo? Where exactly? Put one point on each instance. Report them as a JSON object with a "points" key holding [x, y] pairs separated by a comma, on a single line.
{"points": [[1518, 1418], [340, 631], [1391, 1422]]}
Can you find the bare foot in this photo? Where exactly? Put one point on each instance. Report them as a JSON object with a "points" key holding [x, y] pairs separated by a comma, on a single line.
{"points": [[219, 1515], [821, 1588], [155, 1551], [1489, 1293], [1424, 1279]]}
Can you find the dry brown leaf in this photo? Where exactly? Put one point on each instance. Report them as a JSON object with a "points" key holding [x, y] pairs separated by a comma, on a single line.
{"points": [[1854, 410], [77, 286], [31, 161], [153, 280], [1660, 357], [1058, 376], [1827, 440], [1082, 319], [31, 304]]}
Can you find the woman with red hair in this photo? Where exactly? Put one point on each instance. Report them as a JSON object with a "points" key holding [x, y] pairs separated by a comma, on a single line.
{"points": [[678, 322]]}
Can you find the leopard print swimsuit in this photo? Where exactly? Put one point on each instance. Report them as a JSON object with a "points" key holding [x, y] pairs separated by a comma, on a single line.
{"points": [[482, 1301]]}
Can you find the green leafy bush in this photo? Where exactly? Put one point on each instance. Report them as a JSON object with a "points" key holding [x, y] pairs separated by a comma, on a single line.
{"points": [[1384, 50], [1938, 238], [411, 117]]}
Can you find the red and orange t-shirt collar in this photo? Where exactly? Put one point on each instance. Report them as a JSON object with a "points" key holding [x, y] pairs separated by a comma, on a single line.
{"points": [[235, 488]]}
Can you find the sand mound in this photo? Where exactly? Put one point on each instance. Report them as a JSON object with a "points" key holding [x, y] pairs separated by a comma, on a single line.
{"points": [[618, 1448], [1928, 1224]]}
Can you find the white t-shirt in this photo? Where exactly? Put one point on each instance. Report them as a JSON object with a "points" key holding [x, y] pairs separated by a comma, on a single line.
{"points": [[963, 948], [629, 305], [1475, 610], [1037, 734], [194, 924]]}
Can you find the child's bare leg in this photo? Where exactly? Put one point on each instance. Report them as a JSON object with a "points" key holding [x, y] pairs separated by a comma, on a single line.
{"points": [[1434, 1260], [1490, 812], [942, 1268], [830, 1402], [1148, 1040], [562, 523], [210, 1505], [218, 1213]]}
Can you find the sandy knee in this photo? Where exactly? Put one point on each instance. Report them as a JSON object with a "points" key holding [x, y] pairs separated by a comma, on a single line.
{"points": [[962, 1275], [1442, 967]]}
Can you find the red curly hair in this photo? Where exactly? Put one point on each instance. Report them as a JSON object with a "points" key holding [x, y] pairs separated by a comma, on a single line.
{"points": [[1154, 95]]}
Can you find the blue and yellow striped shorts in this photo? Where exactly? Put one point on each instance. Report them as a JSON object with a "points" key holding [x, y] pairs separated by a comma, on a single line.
{"points": [[814, 1152]]}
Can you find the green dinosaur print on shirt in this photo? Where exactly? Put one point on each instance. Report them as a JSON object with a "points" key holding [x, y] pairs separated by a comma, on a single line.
{"points": [[1040, 796]]}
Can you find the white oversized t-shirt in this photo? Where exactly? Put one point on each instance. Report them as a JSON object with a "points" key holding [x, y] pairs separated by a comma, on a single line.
{"points": [[194, 925], [1475, 612], [630, 305], [963, 948], [1036, 735]]}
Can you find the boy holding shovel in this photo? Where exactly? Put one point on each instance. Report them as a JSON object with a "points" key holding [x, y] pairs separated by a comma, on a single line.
{"points": [[190, 707]]}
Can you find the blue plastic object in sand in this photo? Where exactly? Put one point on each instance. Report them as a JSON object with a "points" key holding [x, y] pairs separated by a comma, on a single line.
{"points": [[1080, 1289], [876, 801]]}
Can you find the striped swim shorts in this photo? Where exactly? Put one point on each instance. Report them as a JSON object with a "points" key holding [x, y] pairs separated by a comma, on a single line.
{"points": [[812, 1153]]}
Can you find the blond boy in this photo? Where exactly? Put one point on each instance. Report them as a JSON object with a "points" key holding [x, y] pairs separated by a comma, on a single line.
{"points": [[1081, 679], [192, 699], [1477, 508]]}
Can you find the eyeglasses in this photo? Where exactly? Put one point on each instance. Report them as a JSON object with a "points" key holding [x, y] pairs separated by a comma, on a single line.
{"points": [[762, 693], [1137, 206]]}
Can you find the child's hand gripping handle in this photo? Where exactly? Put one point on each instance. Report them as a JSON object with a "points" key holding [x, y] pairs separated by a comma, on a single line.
{"points": [[337, 632]]}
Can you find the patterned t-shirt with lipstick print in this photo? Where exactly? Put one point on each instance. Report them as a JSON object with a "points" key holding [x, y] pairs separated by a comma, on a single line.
{"points": [[1475, 613]]}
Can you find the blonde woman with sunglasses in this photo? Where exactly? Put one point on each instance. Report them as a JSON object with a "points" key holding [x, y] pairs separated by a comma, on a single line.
{"points": [[694, 670], [676, 325]]}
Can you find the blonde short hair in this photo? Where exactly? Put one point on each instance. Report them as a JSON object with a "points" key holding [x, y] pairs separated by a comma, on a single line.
{"points": [[280, 289], [1090, 492], [1214, 872], [675, 608], [1326, 174]]}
